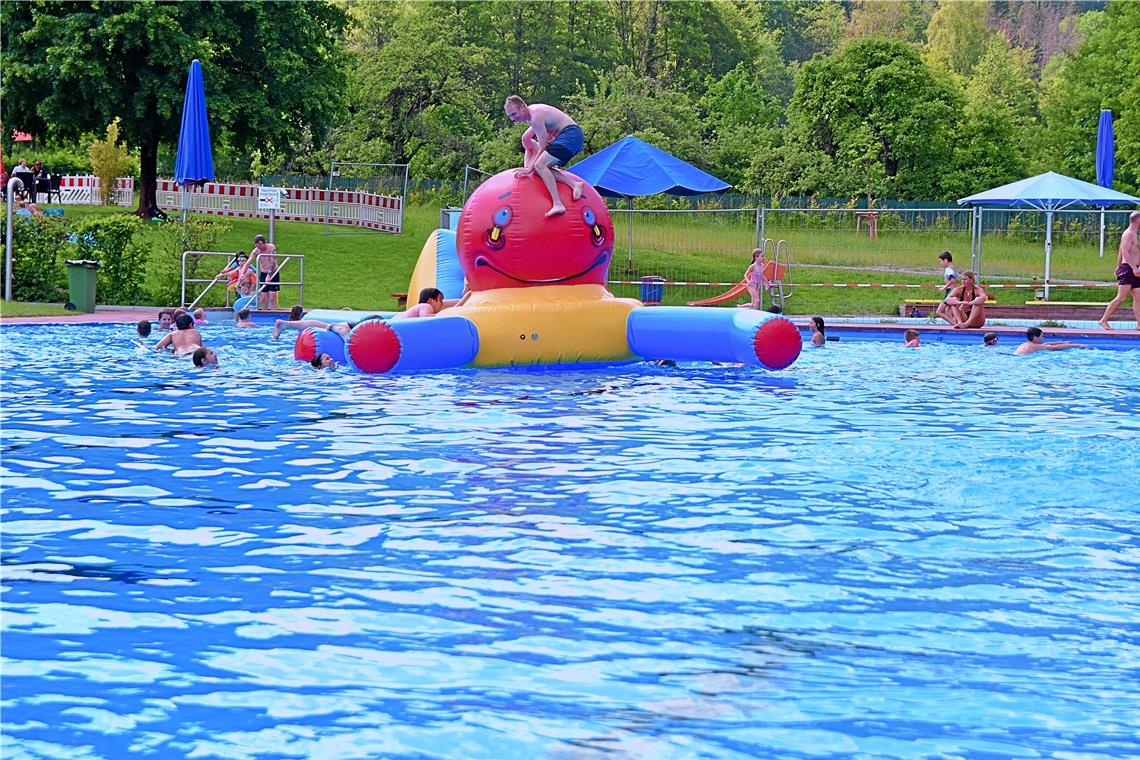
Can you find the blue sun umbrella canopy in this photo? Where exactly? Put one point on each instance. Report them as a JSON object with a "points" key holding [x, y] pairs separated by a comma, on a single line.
{"points": [[632, 167], [1049, 192], [1105, 150], [195, 161]]}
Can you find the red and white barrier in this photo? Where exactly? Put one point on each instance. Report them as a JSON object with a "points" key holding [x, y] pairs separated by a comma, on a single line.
{"points": [[298, 204], [84, 190]]}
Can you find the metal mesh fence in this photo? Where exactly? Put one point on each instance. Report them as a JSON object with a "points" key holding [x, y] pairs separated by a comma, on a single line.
{"points": [[700, 253]]}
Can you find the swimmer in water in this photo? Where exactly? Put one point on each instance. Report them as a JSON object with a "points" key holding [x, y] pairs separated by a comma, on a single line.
{"points": [[323, 361], [818, 331], [185, 340], [205, 357]]}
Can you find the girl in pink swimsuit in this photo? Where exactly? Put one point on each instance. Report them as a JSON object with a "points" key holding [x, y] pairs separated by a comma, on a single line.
{"points": [[754, 277]]}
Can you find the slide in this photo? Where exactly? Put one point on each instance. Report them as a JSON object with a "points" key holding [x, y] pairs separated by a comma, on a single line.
{"points": [[727, 295]]}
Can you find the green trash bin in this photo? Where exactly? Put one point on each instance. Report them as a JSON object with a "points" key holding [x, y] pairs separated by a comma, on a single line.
{"points": [[81, 285]]}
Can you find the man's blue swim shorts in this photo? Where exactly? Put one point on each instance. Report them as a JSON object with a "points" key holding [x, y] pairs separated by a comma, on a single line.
{"points": [[567, 144]]}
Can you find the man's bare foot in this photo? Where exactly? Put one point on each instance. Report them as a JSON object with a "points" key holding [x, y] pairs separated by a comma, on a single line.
{"points": [[576, 190], [556, 210], [1104, 324], [277, 328]]}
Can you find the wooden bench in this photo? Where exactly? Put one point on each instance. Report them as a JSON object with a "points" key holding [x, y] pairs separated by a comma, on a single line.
{"points": [[401, 300]]}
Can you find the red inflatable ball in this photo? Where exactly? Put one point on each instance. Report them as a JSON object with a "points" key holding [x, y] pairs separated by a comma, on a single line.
{"points": [[306, 346], [372, 347], [777, 343], [505, 240]]}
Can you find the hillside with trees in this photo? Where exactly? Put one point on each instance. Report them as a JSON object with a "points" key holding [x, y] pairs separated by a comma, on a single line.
{"points": [[854, 99]]}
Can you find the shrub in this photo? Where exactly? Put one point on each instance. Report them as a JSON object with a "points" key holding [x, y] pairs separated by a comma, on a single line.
{"points": [[37, 270], [169, 240], [109, 161], [110, 240], [63, 160]]}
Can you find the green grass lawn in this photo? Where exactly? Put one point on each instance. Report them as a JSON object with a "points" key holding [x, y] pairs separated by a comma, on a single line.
{"points": [[17, 309], [362, 270]]}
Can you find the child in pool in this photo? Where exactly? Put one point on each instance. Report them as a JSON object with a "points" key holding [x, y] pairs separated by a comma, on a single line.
{"points": [[754, 277], [818, 331], [910, 339]]}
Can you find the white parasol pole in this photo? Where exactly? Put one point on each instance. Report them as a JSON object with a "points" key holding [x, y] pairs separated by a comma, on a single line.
{"points": [[1048, 247], [1102, 232], [629, 245]]}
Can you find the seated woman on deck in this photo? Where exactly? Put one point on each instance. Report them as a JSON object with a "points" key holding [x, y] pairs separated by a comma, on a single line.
{"points": [[967, 303]]}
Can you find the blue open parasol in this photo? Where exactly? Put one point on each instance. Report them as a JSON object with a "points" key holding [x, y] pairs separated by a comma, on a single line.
{"points": [[1049, 192], [632, 167], [195, 161], [1105, 157]]}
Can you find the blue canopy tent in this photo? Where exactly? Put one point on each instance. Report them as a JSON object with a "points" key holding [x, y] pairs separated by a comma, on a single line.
{"points": [[1049, 192], [195, 161], [1105, 158], [632, 167]]}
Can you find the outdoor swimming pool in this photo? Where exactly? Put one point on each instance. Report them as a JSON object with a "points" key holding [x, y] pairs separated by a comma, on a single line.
{"points": [[879, 552]]}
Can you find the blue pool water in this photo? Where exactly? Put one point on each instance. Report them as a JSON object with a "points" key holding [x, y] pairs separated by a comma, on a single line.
{"points": [[880, 552]]}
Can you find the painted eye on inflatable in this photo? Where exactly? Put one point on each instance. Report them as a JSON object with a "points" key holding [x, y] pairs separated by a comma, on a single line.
{"points": [[494, 236], [597, 234]]}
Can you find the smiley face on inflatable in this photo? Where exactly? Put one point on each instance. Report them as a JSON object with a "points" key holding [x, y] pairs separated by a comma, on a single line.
{"points": [[504, 239]]}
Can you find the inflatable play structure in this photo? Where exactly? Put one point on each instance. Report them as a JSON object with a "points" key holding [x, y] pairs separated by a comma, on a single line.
{"points": [[536, 295]]}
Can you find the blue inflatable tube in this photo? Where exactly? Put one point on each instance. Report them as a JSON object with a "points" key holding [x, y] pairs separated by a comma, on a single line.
{"points": [[448, 273], [687, 333], [331, 316], [410, 345], [328, 342]]}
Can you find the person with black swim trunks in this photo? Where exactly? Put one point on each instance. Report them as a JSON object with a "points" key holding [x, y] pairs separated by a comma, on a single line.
{"points": [[267, 274], [1127, 272], [551, 139]]}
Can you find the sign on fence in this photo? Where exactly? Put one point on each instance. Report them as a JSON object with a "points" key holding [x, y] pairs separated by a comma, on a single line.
{"points": [[269, 198]]}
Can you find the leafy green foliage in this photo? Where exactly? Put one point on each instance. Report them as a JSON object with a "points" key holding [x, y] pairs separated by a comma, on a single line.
{"points": [[957, 36], [122, 261], [273, 71], [870, 120], [109, 161], [37, 270], [167, 242], [1102, 72]]}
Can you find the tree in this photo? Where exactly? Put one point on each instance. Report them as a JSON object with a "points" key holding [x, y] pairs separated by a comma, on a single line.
{"points": [[957, 35], [904, 20], [625, 104], [876, 98], [737, 108], [1101, 73], [273, 71]]}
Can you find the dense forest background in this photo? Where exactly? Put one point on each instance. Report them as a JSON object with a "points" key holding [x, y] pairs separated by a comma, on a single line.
{"points": [[850, 99]]}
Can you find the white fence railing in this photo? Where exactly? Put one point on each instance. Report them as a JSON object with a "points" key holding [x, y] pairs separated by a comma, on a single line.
{"points": [[351, 208]]}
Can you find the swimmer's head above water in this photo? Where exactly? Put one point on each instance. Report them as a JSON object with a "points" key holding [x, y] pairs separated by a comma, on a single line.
{"points": [[323, 361], [205, 357]]}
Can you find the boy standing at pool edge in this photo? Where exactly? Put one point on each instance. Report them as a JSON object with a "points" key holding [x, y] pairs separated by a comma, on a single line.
{"points": [[551, 139]]}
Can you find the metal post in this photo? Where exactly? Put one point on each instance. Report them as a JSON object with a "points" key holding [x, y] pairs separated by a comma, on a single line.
{"points": [[976, 241], [272, 226], [14, 184], [761, 235], [1102, 232], [629, 226], [1048, 247]]}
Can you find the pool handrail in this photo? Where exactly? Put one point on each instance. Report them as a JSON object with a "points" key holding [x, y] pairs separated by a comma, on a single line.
{"points": [[284, 258]]}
